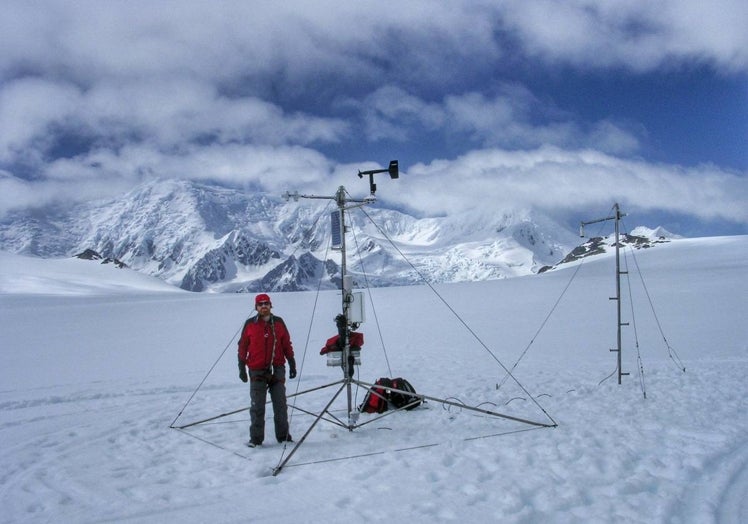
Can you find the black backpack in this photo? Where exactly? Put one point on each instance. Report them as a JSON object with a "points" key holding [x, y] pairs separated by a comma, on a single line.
{"points": [[377, 398], [406, 400]]}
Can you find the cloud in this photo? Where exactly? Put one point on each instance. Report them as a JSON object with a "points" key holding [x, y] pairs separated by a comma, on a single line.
{"points": [[104, 173], [558, 182], [18, 193], [234, 164], [296, 40], [561, 182], [28, 109], [40, 115], [637, 34], [512, 118], [240, 45], [97, 96]]}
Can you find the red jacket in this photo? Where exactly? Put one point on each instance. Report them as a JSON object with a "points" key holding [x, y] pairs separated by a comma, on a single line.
{"points": [[262, 342]]}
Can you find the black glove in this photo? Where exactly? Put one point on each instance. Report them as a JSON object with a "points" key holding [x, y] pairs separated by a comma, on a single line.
{"points": [[242, 372], [291, 367]]}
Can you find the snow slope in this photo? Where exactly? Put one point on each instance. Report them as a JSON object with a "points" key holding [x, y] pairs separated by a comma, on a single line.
{"points": [[73, 276], [92, 377]]}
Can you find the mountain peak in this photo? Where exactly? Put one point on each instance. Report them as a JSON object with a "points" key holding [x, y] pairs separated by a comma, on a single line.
{"points": [[208, 238]]}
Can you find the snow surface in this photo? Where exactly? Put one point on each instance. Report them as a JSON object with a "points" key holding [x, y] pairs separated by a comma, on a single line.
{"points": [[95, 367]]}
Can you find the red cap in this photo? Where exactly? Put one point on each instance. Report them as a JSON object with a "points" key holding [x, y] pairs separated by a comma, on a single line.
{"points": [[262, 297]]}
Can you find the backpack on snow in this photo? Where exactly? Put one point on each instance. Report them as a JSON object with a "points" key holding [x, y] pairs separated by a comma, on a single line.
{"points": [[377, 398], [406, 400]]}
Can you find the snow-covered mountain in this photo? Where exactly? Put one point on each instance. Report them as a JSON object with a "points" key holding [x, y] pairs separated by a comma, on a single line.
{"points": [[639, 238], [207, 238]]}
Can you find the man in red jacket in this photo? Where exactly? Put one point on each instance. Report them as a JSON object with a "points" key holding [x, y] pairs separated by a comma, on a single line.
{"points": [[264, 347]]}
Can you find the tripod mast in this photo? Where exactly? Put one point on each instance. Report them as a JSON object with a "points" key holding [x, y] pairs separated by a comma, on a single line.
{"points": [[344, 328], [345, 322], [352, 315]]}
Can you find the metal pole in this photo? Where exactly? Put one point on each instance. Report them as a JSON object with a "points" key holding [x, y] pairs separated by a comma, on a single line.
{"points": [[616, 218], [346, 305], [618, 292], [304, 436]]}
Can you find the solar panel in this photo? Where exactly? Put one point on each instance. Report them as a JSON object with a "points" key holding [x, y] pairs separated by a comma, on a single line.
{"points": [[337, 230]]}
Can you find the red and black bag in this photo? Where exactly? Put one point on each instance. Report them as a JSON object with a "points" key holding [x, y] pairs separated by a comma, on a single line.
{"points": [[378, 397], [406, 397]]}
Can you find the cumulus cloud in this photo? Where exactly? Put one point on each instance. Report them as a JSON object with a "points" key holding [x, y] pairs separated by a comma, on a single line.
{"points": [[96, 96], [165, 112], [512, 118], [561, 182], [636, 34], [88, 39], [236, 43], [104, 172]]}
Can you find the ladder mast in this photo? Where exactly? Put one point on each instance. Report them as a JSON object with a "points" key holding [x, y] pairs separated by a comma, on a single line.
{"points": [[616, 218]]}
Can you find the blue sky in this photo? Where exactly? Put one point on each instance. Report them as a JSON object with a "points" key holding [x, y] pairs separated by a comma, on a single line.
{"points": [[564, 107]]}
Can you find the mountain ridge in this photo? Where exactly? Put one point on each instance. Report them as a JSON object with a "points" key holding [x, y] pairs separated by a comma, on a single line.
{"points": [[213, 239]]}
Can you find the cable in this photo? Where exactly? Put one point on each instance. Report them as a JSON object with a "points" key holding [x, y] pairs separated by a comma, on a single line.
{"points": [[606, 378], [548, 316], [308, 335], [542, 325], [671, 351], [409, 448], [308, 233], [633, 322], [212, 444], [204, 378], [457, 316], [309, 330], [371, 301]]}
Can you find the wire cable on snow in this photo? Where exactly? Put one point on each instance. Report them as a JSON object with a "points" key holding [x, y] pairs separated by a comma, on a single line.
{"points": [[410, 448], [309, 330], [457, 316], [308, 333]]}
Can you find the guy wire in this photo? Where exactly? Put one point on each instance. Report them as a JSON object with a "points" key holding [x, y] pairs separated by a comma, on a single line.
{"points": [[311, 320], [671, 351], [633, 322], [371, 301], [205, 377], [457, 316]]}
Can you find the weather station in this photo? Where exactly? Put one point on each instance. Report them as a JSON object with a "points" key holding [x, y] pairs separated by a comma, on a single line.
{"points": [[343, 350]]}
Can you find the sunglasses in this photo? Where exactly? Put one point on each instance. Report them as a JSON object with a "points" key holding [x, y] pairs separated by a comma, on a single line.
{"points": [[263, 303]]}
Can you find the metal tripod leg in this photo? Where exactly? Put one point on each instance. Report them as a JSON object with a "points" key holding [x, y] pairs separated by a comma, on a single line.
{"points": [[304, 436]]}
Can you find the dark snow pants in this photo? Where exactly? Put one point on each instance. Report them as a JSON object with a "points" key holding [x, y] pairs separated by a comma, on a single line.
{"points": [[260, 383]]}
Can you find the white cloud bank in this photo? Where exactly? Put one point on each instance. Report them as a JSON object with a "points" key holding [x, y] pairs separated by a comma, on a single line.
{"points": [[97, 96], [562, 181]]}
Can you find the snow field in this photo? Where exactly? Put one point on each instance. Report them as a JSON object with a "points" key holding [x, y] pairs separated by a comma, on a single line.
{"points": [[90, 385]]}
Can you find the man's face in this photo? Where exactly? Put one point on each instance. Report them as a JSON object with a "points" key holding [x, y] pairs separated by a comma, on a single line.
{"points": [[263, 308]]}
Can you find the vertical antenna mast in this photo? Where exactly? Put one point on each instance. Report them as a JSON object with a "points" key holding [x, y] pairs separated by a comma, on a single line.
{"points": [[617, 218], [345, 322]]}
